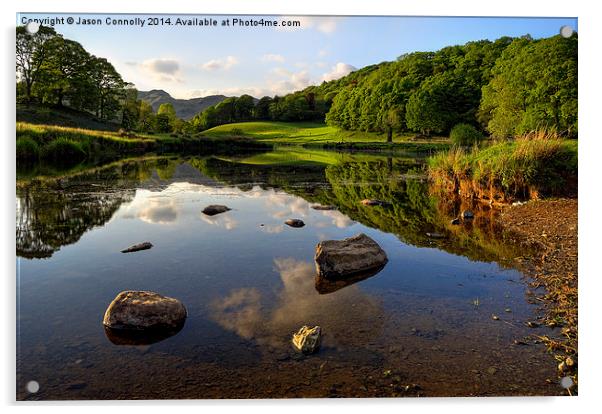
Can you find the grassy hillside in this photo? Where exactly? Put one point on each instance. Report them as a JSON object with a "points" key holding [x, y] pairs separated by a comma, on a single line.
{"points": [[66, 117], [67, 145], [311, 134]]}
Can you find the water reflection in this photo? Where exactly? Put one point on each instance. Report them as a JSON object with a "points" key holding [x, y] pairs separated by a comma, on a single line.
{"points": [[325, 286], [52, 212], [349, 316], [139, 338]]}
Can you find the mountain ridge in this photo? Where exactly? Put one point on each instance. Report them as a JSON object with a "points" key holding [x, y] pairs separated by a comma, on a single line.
{"points": [[185, 108]]}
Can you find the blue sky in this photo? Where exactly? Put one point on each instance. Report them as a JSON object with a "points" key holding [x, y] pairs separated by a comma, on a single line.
{"points": [[198, 61]]}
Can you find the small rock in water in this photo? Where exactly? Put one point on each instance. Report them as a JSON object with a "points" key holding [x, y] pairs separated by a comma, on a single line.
{"points": [[531, 324], [507, 310], [467, 214], [495, 317], [138, 247], [321, 207], [455, 221], [141, 310], [357, 254], [294, 223], [308, 340], [214, 209], [373, 202], [435, 235]]}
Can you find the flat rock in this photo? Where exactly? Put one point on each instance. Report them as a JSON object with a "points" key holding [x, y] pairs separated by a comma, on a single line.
{"points": [[214, 209], [321, 207], [340, 258], [138, 247], [308, 340], [294, 223], [144, 310]]}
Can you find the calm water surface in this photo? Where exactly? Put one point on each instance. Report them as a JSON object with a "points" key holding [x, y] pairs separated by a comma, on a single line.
{"points": [[248, 282]]}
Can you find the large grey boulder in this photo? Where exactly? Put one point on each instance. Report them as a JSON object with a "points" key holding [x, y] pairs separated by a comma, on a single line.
{"points": [[340, 258], [144, 310]]}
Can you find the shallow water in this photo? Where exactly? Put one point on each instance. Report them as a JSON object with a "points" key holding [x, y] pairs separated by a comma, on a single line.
{"points": [[248, 282]]}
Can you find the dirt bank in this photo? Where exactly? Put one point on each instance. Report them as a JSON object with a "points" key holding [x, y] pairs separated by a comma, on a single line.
{"points": [[550, 227]]}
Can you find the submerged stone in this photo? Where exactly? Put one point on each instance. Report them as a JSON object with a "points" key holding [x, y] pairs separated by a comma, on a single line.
{"points": [[294, 223], [138, 247], [340, 258], [308, 340], [144, 310], [214, 209]]}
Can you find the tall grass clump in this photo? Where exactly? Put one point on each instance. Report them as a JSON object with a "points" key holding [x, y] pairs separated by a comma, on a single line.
{"points": [[64, 150], [534, 165], [27, 149]]}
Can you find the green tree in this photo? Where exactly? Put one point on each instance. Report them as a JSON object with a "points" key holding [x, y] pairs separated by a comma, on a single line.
{"points": [[31, 53], [534, 86]]}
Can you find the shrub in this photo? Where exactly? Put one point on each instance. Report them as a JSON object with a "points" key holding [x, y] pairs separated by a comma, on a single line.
{"points": [[64, 150], [465, 135], [27, 149]]}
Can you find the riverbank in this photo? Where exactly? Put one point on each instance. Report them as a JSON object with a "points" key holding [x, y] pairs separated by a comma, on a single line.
{"points": [[550, 228], [68, 145], [533, 166]]}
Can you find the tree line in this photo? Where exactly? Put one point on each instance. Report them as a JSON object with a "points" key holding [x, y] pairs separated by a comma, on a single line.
{"points": [[55, 71], [505, 87], [58, 71]]}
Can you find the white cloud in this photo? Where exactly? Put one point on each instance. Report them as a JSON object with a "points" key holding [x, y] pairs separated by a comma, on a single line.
{"points": [[272, 58], [220, 64], [161, 69], [338, 71]]}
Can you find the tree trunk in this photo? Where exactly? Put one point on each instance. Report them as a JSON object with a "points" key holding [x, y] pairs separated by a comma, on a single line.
{"points": [[390, 134]]}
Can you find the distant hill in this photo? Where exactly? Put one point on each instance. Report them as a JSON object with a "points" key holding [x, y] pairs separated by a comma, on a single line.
{"points": [[185, 108]]}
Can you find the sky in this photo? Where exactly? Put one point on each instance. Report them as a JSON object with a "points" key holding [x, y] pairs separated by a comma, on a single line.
{"points": [[196, 61]]}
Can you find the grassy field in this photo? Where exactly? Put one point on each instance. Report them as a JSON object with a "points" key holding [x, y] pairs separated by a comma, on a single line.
{"points": [[319, 135], [529, 167]]}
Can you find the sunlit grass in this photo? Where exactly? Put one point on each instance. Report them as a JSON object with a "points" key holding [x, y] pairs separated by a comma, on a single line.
{"points": [[539, 162]]}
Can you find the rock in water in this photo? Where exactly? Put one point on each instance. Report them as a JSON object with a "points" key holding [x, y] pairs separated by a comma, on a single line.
{"points": [[214, 209], [357, 254], [455, 221], [307, 340], [372, 202], [320, 207], [143, 310], [295, 223], [467, 214], [137, 247]]}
